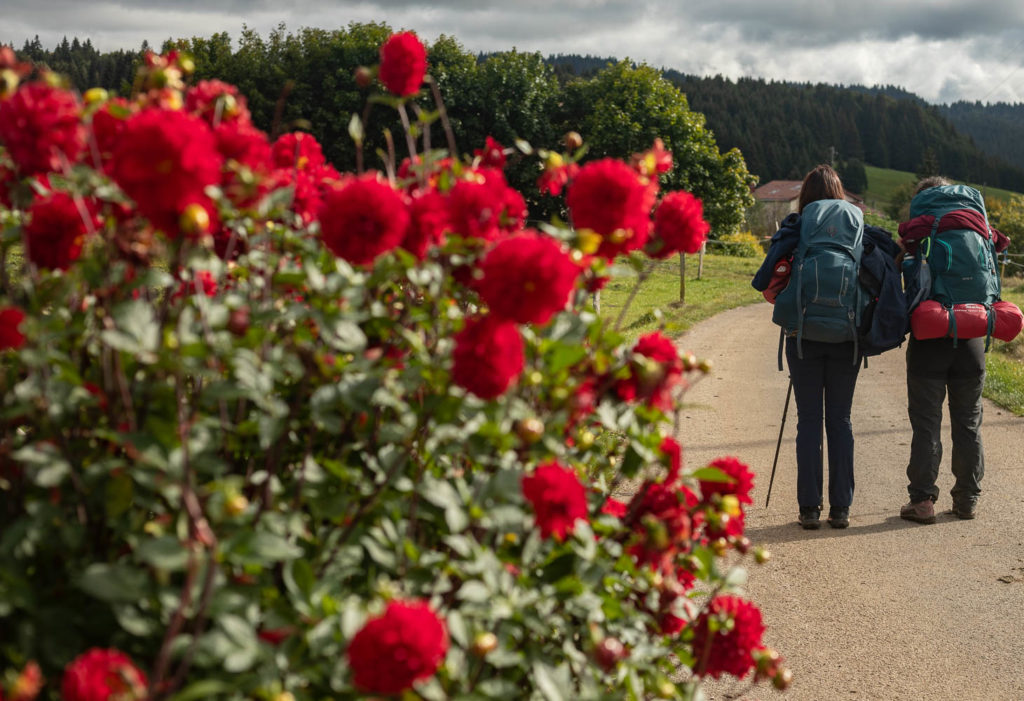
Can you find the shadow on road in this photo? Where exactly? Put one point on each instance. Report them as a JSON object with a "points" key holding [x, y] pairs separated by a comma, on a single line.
{"points": [[791, 532]]}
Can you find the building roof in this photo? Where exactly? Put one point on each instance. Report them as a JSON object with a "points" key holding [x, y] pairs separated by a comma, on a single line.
{"points": [[778, 191]]}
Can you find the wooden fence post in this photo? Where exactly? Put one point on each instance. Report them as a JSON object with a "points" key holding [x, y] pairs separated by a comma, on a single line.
{"points": [[682, 277], [700, 260]]}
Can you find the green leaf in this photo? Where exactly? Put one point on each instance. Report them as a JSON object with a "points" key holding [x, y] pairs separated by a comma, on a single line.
{"points": [[119, 492], [117, 583], [47, 466], [475, 591], [201, 690], [712, 474], [550, 683], [164, 553]]}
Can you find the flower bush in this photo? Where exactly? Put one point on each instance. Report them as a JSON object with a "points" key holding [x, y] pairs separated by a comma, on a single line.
{"points": [[271, 431]]}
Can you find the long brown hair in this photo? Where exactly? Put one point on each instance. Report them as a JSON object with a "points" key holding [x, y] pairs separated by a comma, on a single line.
{"points": [[822, 183]]}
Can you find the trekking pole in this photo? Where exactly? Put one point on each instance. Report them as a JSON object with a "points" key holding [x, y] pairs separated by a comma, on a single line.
{"points": [[778, 445]]}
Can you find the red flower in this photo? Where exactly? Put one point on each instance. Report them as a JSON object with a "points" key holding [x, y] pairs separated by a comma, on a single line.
{"points": [[56, 230], [678, 225], [103, 675], [727, 650], [654, 161], [662, 523], [483, 206], [108, 123], [39, 125], [527, 278], [741, 485], [556, 177], [363, 219], [488, 356], [398, 648], [27, 685], [674, 452], [297, 150], [609, 198], [203, 282], [243, 143], [163, 161], [492, 154], [654, 371], [558, 498], [428, 222], [217, 102], [403, 63], [614, 507]]}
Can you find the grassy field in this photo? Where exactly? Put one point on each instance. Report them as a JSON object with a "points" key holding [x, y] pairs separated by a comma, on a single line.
{"points": [[725, 283], [883, 181]]}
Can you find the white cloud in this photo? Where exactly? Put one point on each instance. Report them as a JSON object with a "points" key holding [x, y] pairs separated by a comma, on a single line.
{"points": [[945, 51]]}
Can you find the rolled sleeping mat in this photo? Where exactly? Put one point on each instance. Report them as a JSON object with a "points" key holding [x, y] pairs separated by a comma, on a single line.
{"points": [[930, 319]]}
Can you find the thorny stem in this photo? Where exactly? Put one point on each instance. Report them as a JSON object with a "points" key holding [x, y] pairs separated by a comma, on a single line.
{"points": [[644, 274], [177, 620], [443, 112], [409, 141]]}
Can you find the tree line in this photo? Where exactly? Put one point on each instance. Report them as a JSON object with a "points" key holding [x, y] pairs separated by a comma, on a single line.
{"points": [[305, 79]]}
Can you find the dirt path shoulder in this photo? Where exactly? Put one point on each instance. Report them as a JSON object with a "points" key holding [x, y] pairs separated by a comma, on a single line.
{"points": [[885, 609]]}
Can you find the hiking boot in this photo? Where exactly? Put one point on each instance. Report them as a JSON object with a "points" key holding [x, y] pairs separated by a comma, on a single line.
{"points": [[919, 512], [965, 511], [839, 518], [809, 519]]}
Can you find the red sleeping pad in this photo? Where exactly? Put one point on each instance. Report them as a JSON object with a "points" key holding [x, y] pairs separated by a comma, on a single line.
{"points": [[931, 320]]}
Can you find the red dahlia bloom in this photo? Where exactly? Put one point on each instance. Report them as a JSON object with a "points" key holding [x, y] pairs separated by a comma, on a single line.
{"points": [[163, 161], [56, 230], [674, 452], [403, 63], [484, 207], [662, 524], [398, 648], [363, 219], [10, 331], [678, 225], [243, 143], [727, 651], [556, 177], [558, 499], [656, 369], [614, 507], [428, 222], [492, 154], [527, 278], [103, 675], [108, 123], [742, 480], [610, 198], [38, 125], [217, 102], [488, 356], [297, 150]]}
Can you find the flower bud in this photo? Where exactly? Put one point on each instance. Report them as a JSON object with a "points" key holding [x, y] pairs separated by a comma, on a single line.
{"points": [[238, 321], [529, 430], [705, 366], [363, 76], [689, 361], [573, 140], [236, 504], [553, 160], [783, 679], [93, 95], [484, 643], [609, 652], [585, 439], [761, 556], [195, 219]]}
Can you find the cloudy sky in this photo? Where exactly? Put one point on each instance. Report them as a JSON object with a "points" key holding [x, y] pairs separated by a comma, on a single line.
{"points": [[942, 50]]}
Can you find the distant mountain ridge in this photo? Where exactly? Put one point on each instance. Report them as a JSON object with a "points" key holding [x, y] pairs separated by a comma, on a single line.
{"points": [[785, 128]]}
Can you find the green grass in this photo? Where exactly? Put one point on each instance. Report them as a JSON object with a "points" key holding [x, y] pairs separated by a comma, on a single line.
{"points": [[883, 181], [724, 284], [1004, 366]]}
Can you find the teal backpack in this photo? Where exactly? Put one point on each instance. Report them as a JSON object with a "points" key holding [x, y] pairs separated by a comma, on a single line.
{"points": [[957, 266], [824, 300]]}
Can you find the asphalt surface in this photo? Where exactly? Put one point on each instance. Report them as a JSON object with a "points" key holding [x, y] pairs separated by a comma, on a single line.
{"points": [[885, 609]]}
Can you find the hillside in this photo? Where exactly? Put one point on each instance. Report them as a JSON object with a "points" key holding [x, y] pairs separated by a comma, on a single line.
{"points": [[784, 129], [997, 129]]}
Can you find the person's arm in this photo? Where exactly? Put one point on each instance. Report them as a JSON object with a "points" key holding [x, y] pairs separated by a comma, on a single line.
{"points": [[783, 243]]}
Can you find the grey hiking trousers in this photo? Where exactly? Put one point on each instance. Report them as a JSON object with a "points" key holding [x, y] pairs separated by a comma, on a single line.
{"points": [[935, 367]]}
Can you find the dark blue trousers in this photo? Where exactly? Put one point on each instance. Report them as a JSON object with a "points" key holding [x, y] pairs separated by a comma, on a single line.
{"points": [[823, 384]]}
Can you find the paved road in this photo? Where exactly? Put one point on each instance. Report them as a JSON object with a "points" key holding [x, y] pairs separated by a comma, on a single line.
{"points": [[885, 609]]}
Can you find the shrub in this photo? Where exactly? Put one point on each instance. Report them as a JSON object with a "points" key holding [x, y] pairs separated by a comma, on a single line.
{"points": [[261, 436], [742, 245]]}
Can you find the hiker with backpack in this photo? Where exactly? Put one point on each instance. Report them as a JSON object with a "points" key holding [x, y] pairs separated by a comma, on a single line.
{"points": [[953, 291], [834, 308]]}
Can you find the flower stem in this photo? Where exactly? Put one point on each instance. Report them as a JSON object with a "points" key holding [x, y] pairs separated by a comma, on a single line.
{"points": [[644, 274]]}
